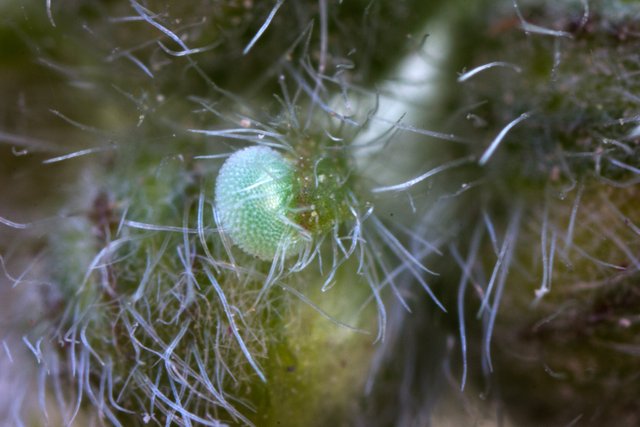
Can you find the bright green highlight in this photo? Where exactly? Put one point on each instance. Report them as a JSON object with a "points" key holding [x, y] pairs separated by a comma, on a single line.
{"points": [[253, 199]]}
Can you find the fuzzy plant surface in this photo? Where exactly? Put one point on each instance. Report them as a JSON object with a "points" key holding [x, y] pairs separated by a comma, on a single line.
{"points": [[313, 213], [550, 258]]}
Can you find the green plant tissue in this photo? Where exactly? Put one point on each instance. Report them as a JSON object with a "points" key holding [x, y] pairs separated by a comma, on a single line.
{"points": [[319, 213]]}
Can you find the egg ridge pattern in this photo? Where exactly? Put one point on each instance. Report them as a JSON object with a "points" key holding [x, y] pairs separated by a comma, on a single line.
{"points": [[253, 196]]}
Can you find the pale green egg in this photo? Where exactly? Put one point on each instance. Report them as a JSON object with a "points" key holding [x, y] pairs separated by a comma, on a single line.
{"points": [[254, 192]]}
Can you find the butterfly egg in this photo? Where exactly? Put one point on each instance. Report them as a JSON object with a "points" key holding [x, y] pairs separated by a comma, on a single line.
{"points": [[254, 193]]}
